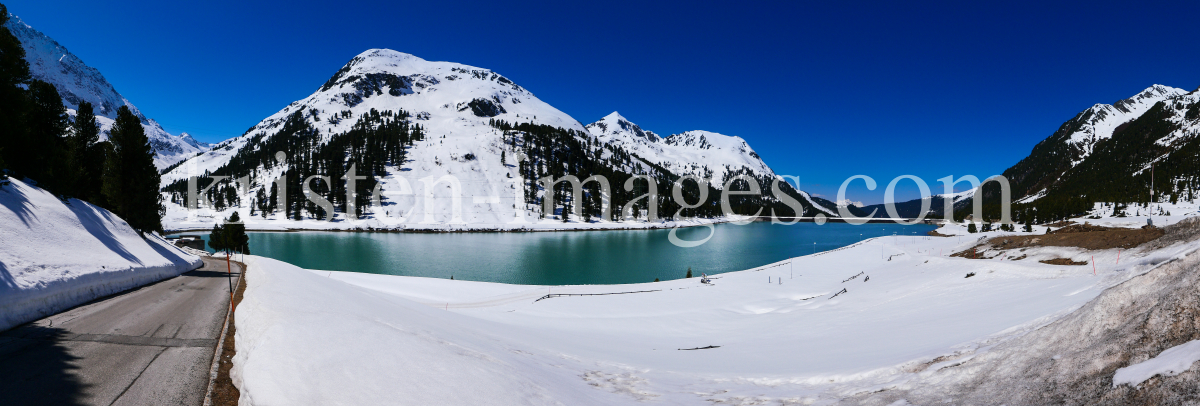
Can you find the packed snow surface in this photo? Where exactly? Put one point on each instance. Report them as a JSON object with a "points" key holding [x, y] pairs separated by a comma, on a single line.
{"points": [[816, 328], [60, 254], [1170, 362]]}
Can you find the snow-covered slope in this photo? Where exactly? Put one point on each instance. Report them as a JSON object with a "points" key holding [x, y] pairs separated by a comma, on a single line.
{"points": [[59, 254], [77, 82], [700, 153]]}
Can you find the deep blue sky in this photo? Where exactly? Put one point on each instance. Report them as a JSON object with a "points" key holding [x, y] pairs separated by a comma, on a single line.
{"points": [[822, 91]]}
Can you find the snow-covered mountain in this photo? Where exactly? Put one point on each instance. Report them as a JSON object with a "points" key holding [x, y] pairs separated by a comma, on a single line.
{"points": [[1105, 153], [51, 62], [1098, 122], [701, 153], [455, 106], [451, 102]]}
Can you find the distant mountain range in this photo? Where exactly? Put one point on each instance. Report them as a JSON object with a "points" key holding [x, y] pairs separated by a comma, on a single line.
{"points": [[472, 123], [76, 82]]}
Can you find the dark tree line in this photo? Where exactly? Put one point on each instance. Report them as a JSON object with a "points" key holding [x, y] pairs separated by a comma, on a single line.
{"points": [[376, 140], [39, 141]]}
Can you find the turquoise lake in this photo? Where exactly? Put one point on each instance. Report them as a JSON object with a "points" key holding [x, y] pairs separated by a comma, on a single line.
{"points": [[563, 258]]}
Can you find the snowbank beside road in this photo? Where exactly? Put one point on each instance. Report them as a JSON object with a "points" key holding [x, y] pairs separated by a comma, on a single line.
{"points": [[55, 254]]}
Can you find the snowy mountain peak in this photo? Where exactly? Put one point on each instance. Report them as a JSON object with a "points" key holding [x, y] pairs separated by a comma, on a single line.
{"points": [[77, 82], [445, 97], [1150, 95], [382, 58], [187, 138], [615, 126]]}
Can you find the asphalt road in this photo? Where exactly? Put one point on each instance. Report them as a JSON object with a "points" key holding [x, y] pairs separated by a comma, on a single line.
{"points": [[148, 346]]}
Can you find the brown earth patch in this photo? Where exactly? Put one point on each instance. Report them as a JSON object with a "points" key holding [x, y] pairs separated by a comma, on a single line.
{"points": [[1080, 228], [975, 252], [1061, 261], [934, 233], [1084, 236]]}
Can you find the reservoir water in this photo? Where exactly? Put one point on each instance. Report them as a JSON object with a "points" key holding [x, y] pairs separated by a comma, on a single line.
{"points": [[563, 258]]}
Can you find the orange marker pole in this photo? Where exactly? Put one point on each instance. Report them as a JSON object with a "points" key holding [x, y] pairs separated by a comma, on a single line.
{"points": [[229, 271], [1093, 264]]}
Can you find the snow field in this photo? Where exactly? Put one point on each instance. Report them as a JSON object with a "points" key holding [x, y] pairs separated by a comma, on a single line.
{"points": [[781, 334]]}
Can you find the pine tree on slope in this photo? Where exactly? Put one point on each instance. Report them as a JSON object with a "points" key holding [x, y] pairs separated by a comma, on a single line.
{"points": [[87, 155], [131, 180]]}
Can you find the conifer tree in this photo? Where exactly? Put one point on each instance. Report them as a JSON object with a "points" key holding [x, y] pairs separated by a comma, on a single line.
{"points": [[689, 274], [43, 147], [216, 238], [971, 228], [14, 73], [86, 154], [235, 236], [131, 181]]}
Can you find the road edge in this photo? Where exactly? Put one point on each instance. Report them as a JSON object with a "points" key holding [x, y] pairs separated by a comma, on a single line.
{"points": [[216, 358]]}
